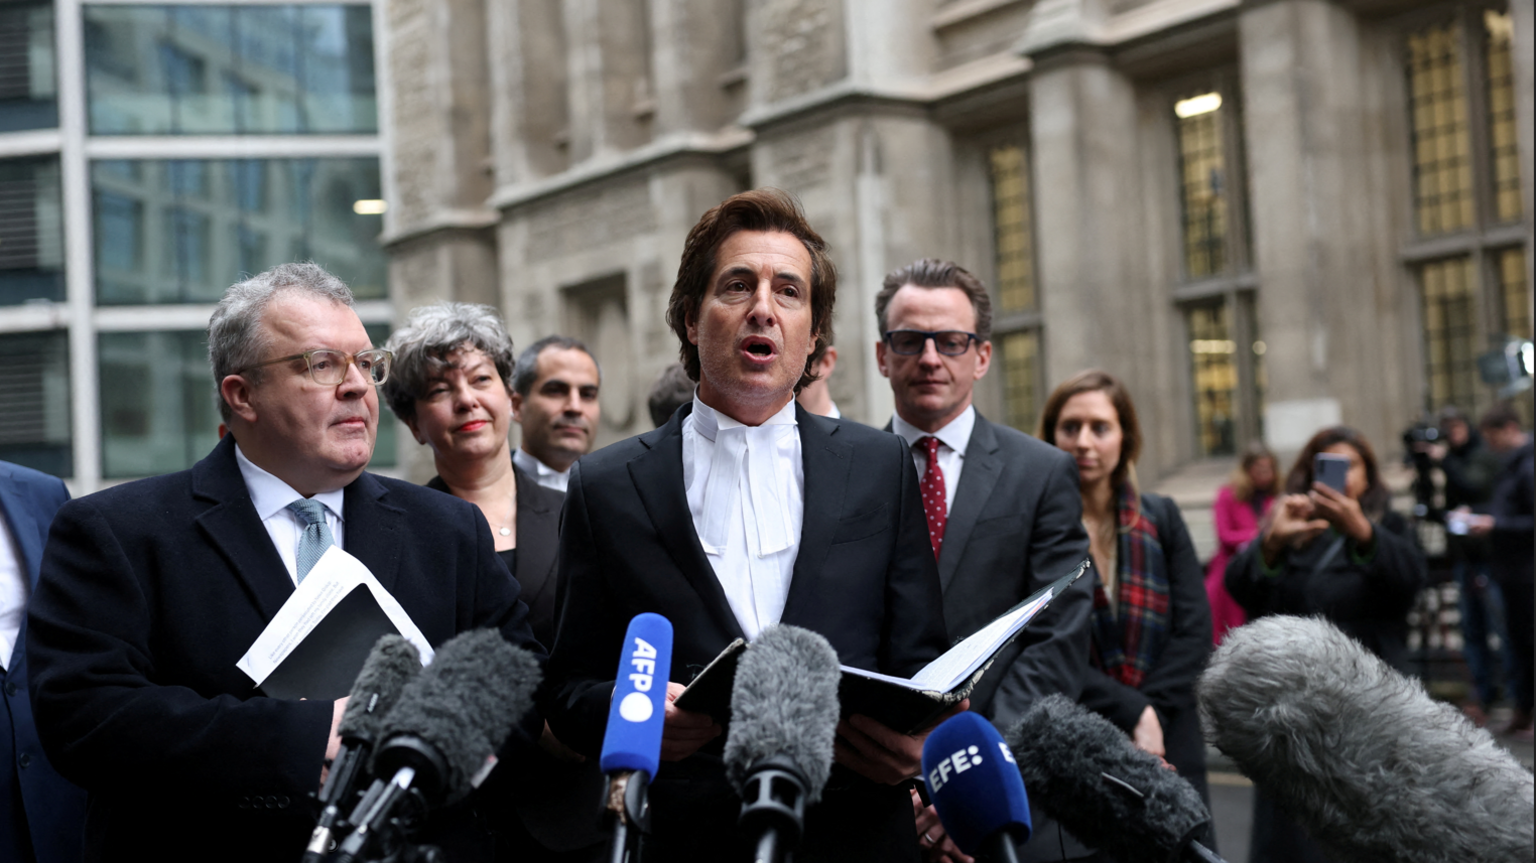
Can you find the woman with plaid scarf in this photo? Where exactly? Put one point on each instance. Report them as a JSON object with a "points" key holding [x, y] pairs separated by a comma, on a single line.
{"points": [[1151, 622]]}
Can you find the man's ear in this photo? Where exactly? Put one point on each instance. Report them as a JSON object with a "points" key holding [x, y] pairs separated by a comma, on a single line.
{"points": [[983, 358], [517, 408], [691, 325], [880, 359], [415, 432], [237, 392]]}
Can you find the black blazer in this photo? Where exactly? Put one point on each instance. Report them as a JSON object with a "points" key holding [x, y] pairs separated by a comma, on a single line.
{"points": [[1015, 526], [538, 541], [152, 590], [49, 815], [864, 577]]}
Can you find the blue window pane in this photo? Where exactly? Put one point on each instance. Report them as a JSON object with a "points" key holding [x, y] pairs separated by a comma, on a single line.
{"points": [[34, 401], [31, 231], [181, 231], [172, 70], [157, 402], [28, 87]]}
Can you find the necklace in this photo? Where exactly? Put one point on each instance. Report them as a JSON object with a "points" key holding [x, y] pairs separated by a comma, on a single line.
{"points": [[506, 529]]}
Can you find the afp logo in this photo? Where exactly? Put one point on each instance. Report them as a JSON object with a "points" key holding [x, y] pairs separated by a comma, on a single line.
{"points": [[637, 706]]}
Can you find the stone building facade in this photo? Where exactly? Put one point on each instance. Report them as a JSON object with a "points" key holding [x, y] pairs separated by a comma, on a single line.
{"points": [[1264, 216]]}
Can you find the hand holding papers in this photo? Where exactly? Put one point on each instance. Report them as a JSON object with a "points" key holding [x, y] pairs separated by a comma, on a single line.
{"points": [[318, 640]]}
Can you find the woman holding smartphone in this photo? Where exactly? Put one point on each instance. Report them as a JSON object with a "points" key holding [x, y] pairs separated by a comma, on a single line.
{"points": [[1329, 548]]}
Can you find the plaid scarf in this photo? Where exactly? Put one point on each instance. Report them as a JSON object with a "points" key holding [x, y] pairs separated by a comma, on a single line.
{"points": [[1127, 646]]}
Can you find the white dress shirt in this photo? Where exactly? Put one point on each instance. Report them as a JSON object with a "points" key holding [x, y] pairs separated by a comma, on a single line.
{"points": [[746, 493], [271, 497], [14, 589], [953, 439], [542, 473]]}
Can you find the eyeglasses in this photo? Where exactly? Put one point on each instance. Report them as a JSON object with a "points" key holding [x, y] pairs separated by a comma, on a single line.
{"points": [[910, 343], [328, 368]]}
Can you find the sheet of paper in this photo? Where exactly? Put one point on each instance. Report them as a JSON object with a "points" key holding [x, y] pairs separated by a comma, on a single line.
{"points": [[334, 575], [946, 672]]}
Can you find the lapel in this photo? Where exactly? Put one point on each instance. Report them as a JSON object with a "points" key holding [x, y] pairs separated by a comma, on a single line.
{"points": [[538, 528], [658, 477], [231, 525], [977, 480], [23, 524], [373, 529], [828, 462]]}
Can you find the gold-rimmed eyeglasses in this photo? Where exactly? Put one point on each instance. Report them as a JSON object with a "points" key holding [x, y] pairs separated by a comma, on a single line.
{"points": [[328, 367]]}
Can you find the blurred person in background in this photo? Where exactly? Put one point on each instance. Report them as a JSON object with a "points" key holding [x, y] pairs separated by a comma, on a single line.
{"points": [[672, 390], [1470, 469], [815, 397], [1508, 526], [554, 398], [449, 386], [1240, 506], [1343, 556], [1151, 624]]}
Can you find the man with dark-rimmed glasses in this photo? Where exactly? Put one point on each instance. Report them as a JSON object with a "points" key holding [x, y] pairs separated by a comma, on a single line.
{"points": [[152, 590], [1004, 514]]}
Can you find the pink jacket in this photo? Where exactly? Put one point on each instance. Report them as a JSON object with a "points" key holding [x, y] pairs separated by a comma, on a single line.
{"points": [[1236, 526]]}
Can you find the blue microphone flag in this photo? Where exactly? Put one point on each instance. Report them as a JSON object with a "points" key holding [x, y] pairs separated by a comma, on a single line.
{"points": [[635, 718], [974, 782]]}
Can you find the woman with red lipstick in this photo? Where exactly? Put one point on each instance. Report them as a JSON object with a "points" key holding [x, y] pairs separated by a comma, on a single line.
{"points": [[451, 385], [1151, 623]]}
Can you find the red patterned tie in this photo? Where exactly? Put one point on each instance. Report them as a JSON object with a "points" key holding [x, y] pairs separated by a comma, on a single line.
{"points": [[932, 488]]}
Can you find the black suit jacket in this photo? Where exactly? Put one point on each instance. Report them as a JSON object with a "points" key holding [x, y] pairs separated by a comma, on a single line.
{"points": [[864, 577], [1015, 526], [538, 542], [152, 590], [49, 813]]}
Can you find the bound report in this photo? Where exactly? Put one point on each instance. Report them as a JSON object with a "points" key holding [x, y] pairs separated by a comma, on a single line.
{"points": [[905, 704]]}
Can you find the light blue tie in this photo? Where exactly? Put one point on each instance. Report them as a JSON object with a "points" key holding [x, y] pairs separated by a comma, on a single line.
{"points": [[316, 537]]}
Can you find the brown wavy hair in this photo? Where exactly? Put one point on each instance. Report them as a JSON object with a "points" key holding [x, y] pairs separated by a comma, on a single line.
{"points": [[1097, 380], [1375, 498], [1242, 486], [757, 210]]}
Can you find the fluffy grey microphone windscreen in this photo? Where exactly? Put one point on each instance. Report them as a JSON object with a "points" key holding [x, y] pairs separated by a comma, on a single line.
{"points": [[1359, 754], [1084, 772], [391, 664], [784, 702], [465, 703]]}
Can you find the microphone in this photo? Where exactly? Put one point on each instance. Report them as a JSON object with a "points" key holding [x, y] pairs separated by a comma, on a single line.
{"points": [[778, 754], [632, 743], [391, 664], [1358, 754], [975, 785], [1085, 773], [440, 740]]}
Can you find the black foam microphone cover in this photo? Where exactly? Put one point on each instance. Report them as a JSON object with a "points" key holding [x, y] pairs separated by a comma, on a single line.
{"points": [[391, 664], [1360, 755], [461, 708], [1084, 772]]}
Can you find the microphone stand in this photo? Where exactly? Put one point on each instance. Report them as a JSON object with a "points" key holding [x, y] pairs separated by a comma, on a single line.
{"points": [[773, 807], [998, 848], [627, 810]]}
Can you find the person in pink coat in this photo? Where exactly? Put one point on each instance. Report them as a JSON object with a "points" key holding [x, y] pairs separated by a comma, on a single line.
{"points": [[1238, 512]]}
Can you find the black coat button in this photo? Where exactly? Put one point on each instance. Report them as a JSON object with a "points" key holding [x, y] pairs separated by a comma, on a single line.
{"points": [[25, 760], [10, 690]]}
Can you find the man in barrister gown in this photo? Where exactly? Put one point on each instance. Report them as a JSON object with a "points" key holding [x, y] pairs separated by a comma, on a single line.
{"points": [[743, 511], [1004, 513], [151, 591]]}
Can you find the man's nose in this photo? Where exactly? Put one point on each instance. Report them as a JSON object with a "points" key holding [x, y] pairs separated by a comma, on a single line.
{"points": [[930, 355], [354, 384], [763, 312]]}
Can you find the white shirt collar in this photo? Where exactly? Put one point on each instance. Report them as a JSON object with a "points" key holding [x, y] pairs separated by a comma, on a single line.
{"points": [[537, 469], [956, 435], [271, 495], [707, 420]]}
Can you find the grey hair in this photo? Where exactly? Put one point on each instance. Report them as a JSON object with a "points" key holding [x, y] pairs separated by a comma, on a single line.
{"points": [[527, 369], [429, 335], [236, 339]]}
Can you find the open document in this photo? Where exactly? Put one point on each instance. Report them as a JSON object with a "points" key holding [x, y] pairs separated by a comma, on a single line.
{"points": [[905, 704], [317, 642]]}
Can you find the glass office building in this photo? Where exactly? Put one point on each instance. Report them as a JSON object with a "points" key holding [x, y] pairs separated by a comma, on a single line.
{"points": [[150, 156]]}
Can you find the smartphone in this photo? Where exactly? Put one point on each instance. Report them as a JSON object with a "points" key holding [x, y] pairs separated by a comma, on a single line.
{"points": [[1330, 470]]}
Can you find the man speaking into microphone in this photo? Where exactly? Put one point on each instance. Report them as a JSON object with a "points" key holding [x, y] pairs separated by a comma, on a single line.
{"points": [[742, 512]]}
